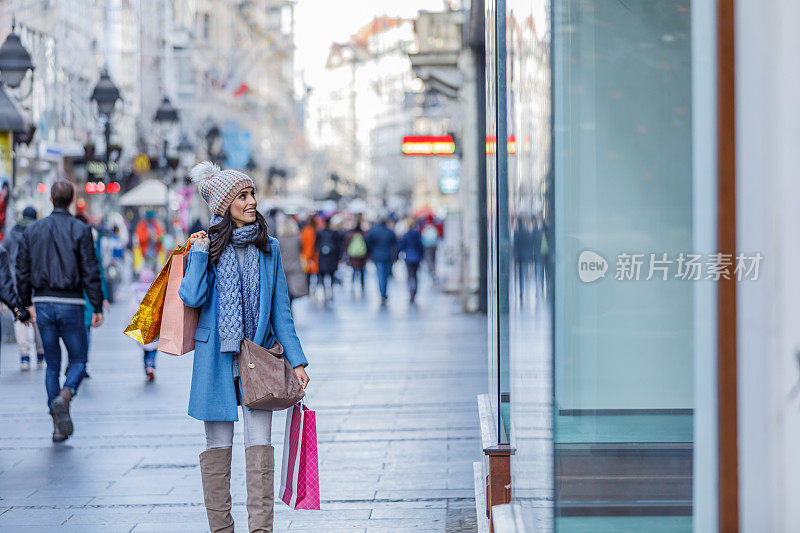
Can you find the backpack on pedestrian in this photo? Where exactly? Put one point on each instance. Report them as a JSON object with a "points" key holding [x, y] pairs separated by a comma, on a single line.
{"points": [[430, 236], [357, 248], [326, 243]]}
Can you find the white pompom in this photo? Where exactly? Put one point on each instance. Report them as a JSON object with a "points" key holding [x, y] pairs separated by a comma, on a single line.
{"points": [[203, 171]]}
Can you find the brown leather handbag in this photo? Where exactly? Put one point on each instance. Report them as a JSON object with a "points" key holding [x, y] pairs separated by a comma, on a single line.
{"points": [[268, 380]]}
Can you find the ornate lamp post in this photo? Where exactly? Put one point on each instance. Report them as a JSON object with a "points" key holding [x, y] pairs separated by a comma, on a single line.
{"points": [[185, 146], [166, 112], [106, 95], [15, 62], [185, 152], [166, 115], [213, 145]]}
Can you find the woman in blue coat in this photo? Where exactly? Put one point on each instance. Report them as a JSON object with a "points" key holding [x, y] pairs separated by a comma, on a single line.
{"points": [[235, 276]]}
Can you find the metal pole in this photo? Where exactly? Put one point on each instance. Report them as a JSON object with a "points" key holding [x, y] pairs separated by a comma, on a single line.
{"points": [[107, 133], [13, 162], [110, 200], [480, 102]]}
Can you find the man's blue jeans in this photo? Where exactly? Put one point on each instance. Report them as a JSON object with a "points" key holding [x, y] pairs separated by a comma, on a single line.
{"points": [[62, 321], [384, 269]]}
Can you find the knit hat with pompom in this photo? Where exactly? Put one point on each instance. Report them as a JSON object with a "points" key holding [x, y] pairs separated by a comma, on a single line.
{"points": [[219, 187]]}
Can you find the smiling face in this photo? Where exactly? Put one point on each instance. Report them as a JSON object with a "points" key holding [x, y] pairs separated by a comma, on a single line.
{"points": [[243, 207]]}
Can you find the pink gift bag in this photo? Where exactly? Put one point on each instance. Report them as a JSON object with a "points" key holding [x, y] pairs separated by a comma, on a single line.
{"points": [[300, 471], [178, 321]]}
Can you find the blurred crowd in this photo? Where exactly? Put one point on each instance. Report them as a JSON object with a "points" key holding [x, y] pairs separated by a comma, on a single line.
{"points": [[323, 253], [318, 250]]}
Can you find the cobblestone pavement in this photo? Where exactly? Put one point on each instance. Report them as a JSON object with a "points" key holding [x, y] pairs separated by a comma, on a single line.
{"points": [[394, 390]]}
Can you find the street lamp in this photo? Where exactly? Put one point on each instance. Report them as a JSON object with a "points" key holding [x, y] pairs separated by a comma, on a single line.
{"points": [[15, 61], [185, 151], [185, 146], [166, 112], [106, 95], [213, 135]]}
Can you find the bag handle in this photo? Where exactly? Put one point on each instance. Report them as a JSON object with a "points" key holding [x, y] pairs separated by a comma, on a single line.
{"points": [[183, 247]]}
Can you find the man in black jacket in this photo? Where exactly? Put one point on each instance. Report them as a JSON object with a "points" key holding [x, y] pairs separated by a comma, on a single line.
{"points": [[56, 264]]}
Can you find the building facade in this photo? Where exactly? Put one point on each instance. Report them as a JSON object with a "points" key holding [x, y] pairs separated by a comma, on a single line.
{"points": [[228, 72], [358, 117]]}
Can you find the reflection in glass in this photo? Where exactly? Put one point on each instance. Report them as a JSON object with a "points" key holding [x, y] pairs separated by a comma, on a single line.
{"points": [[623, 184], [530, 228], [596, 392]]}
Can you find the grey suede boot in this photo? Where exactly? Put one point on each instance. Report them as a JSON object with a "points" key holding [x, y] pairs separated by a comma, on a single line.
{"points": [[58, 436], [215, 467], [60, 408], [260, 487]]}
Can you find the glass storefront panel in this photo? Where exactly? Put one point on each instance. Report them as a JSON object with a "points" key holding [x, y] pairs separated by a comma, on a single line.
{"points": [[604, 332], [530, 227]]}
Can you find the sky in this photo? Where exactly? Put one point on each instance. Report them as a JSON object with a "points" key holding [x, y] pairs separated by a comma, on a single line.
{"points": [[318, 23]]}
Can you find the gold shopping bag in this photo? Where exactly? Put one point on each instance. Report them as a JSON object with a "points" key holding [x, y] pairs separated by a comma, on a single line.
{"points": [[146, 323]]}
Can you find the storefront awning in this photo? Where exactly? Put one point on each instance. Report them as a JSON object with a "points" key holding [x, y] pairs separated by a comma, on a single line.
{"points": [[148, 193]]}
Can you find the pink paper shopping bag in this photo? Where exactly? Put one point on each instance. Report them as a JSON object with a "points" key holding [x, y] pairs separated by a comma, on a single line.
{"points": [[178, 321], [300, 471]]}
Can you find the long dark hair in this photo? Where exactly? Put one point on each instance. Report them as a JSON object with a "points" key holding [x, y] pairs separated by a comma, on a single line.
{"points": [[221, 233]]}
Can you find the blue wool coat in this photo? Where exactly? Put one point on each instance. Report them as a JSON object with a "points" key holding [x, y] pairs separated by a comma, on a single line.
{"points": [[212, 396]]}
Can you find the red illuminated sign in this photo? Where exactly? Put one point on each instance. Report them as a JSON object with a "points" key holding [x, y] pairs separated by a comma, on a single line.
{"points": [[428, 145], [98, 187], [491, 144]]}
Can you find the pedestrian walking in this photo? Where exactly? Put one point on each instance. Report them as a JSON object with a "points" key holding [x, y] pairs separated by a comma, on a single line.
{"points": [[308, 251], [138, 292], [8, 294], [235, 276], [114, 253], [29, 341], [56, 262], [356, 250], [289, 241], [541, 251], [88, 311], [430, 239], [327, 248], [412, 249], [524, 240], [382, 249], [149, 236]]}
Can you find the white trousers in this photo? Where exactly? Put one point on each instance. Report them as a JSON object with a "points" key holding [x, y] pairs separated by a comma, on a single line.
{"points": [[257, 430], [29, 343]]}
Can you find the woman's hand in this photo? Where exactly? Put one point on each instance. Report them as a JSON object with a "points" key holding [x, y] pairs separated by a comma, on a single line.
{"points": [[199, 236], [302, 376]]}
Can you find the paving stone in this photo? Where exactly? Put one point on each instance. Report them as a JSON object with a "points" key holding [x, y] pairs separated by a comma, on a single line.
{"points": [[397, 428], [420, 513]]}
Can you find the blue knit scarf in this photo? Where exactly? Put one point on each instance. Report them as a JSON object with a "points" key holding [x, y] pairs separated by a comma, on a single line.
{"points": [[238, 289]]}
